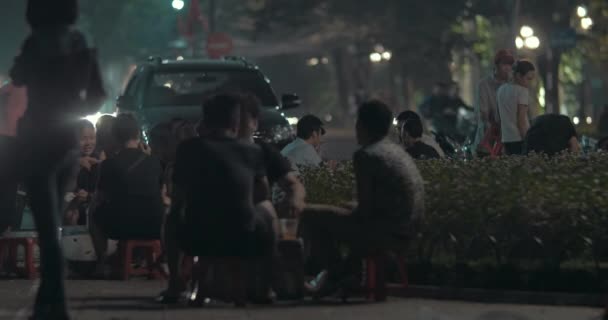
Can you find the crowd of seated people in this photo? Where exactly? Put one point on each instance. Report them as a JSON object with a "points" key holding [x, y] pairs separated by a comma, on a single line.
{"points": [[206, 191]]}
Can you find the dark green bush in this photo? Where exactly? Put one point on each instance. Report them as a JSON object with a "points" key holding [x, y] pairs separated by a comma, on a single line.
{"points": [[524, 210]]}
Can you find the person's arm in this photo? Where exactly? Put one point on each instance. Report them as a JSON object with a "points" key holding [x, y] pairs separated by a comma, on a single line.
{"points": [[522, 120], [574, 146], [523, 102], [295, 193]]}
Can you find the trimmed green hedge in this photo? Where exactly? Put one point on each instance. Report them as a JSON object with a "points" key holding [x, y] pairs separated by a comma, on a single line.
{"points": [[512, 210]]}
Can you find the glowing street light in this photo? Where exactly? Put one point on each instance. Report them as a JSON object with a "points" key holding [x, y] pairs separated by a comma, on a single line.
{"points": [[180, 58], [526, 31], [375, 57], [387, 55], [576, 120], [586, 23], [581, 11], [312, 62], [519, 42], [589, 120], [178, 4], [532, 43]]}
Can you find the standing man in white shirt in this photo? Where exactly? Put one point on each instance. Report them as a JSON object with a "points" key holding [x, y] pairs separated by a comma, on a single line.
{"points": [[513, 104], [304, 151]]}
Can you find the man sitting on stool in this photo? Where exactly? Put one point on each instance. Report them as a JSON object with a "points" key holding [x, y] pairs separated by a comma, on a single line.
{"points": [[390, 195], [218, 180]]}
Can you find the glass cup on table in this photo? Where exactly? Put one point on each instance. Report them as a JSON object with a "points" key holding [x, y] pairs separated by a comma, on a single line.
{"points": [[289, 229]]}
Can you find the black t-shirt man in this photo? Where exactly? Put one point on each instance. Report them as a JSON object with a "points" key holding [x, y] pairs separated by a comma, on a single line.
{"points": [[132, 206], [422, 151], [549, 134], [217, 178]]}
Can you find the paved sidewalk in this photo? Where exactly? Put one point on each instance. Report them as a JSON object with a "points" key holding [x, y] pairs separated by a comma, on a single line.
{"points": [[132, 300]]}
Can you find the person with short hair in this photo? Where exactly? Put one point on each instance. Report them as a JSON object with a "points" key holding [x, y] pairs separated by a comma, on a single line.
{"points": [[551, 134], [219, 206], [106, 143], [486, 106], [304, 151], [513, 103], [86, 181], [390, 198], [411, 135], [278, 168], [128, 203]]}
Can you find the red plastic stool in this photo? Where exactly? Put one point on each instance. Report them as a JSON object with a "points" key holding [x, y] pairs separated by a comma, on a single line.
{"points": [[125, 260], [376, 278], [8, 249]]}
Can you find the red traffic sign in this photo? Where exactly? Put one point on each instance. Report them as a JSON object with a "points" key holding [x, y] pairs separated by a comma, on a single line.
{"points": [[218, 45]]}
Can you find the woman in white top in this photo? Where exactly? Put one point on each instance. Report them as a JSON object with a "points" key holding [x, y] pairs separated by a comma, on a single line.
{"points": [[513, 103]]}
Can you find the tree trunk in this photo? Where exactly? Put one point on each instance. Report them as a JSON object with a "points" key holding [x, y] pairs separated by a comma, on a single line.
{"points": [[549, 72], [343, 80]]}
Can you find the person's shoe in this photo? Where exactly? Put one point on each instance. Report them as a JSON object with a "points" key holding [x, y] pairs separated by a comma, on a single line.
{"points": [[321, 286], [171, 296], [317, 283]]}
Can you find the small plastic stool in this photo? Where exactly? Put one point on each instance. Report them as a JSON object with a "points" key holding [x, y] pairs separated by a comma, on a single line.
{"points": [[375, 285], [8, 250], [125, 259]]}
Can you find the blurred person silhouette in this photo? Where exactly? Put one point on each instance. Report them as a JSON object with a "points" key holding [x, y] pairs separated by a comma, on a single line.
{"points": [[390, 201], [487, 136], [278, 167], [64, 84], [411, 137], [425, 138], [13, 102], [128, 202], [106, 143], [513, 106], [86, 181], [551, 134], [603, 123], [218, 204]]}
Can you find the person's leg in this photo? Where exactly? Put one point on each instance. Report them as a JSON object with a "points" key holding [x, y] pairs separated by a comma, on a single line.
{"points": [[100, 242], [8, 207], [9, 217], [318, 226], [266, 234], [42, 189], [175, 257]]}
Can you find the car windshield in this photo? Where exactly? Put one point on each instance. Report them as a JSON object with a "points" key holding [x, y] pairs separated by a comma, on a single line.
{"points": [[191, 88]]}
